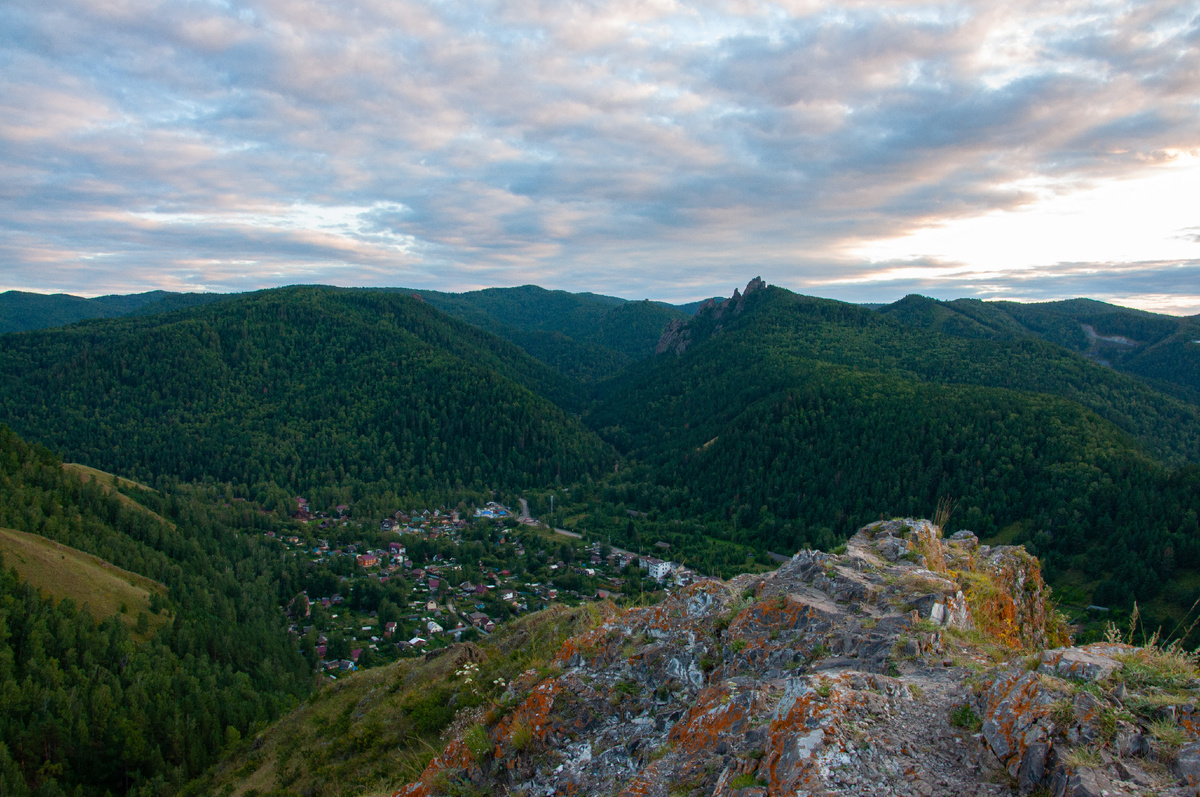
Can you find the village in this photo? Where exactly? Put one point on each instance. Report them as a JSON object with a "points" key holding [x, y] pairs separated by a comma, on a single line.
{"points": [[419, 581]]}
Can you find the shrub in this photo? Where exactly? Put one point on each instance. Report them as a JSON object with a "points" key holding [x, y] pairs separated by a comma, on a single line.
{"points": [[478, 742], [965, 717], [521, 737], [1062, 714], [746, 780]]}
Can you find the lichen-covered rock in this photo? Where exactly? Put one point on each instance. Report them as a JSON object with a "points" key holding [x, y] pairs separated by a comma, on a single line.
{"points": [[1187, 763], [1090, 663], [832, 675]]}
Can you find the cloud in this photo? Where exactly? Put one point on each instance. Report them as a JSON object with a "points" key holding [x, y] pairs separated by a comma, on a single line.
{"points": [[638, 148]]}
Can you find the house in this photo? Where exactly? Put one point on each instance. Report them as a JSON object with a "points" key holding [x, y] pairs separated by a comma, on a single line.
{"points": [[386, 525], [389, 629], [431, 606], [489, 626], [665, 546], [354, 654], [321, 650], [367, 560], [434, 583], [433, 627], [477, 618], [660, 570], [396, 549], [417, 642], [508, 595]]}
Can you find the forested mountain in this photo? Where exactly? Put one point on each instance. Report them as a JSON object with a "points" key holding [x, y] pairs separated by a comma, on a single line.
{"points": [[20, 311], [584, 335], [88, 710], [799, 419], [764, 422], [354, 395], [770, 420], [1161, 349]]}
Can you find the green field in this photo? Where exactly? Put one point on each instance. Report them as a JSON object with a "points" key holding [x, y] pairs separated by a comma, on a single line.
{"points": [[65, 572]]}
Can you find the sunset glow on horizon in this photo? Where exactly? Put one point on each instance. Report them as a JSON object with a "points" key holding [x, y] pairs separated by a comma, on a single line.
{"points": [[666, 150]]}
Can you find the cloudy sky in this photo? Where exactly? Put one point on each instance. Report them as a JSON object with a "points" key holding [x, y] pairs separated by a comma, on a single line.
{"points": [[642, 148]]}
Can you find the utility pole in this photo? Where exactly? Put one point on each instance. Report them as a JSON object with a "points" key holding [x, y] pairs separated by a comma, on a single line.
{"points": [[551, 510]]}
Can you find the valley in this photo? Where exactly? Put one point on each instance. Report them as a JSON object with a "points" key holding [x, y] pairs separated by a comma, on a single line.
{"points": [[659, 446]]}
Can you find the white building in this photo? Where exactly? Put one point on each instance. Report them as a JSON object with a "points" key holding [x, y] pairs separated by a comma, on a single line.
{"points": [[657, 567]]}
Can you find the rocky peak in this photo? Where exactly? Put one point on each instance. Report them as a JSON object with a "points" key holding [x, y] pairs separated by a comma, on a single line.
{"points": [[909, 664], [708, 320]]}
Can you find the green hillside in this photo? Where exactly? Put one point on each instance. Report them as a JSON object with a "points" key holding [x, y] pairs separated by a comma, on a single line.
{"points": [[20, 311], [584, 335], [1162, 350], [795, 420], [361, 394], [374, 731], [89, 581], [91, 706]]}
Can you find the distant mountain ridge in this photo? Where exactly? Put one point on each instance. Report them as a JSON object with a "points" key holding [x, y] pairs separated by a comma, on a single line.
{"points": [[21, 311], [765, 421], [1158, 348], [793, 420], [312, 388], [586, 335]]}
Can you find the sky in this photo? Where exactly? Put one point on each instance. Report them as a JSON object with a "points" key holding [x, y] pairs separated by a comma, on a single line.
{"points": [[638, 148]]}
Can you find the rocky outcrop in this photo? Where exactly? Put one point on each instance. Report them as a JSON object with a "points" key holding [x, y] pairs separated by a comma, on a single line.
{"points": [[869, 672], [708, 320], [676, 337]]}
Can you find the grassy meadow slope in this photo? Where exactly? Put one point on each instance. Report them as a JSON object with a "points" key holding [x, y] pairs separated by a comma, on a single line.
{"points": [[92, 583], [369, 392], [373, 731], [90, 706]]}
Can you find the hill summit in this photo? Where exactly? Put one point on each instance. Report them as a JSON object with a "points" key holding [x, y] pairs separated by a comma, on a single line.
{"points": [[908, 664]]}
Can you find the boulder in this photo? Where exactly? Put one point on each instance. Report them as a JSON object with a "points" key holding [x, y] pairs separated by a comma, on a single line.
{"points": [[1088, 663]]}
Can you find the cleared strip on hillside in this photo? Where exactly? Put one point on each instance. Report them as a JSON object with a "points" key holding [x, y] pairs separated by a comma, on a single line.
{"points": [[65, 572], [105, 480]]}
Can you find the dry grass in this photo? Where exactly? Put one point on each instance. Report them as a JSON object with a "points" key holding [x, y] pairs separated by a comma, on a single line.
{"points": [[1158, 663], [371, 732], [64, 572], [106, 483], [1081, 758]]}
